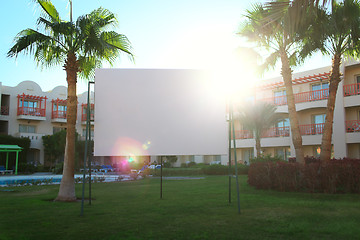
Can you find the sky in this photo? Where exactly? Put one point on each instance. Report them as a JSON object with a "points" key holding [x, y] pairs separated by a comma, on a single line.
{"points": [[163, 33]]}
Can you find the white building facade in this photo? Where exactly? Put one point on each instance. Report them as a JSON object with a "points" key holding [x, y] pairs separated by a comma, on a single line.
{"points": [[310, 92], [27, 111]]}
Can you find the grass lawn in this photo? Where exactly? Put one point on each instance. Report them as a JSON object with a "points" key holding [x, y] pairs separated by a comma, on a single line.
{"points": [[190, 209]]}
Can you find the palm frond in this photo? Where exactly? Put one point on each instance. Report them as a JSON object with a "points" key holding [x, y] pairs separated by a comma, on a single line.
{"points": [[257, 117], [26, 41], [49, 9]]}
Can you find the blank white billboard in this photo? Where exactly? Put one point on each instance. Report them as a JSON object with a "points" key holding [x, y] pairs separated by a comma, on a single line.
{"points": [[153, 112]]}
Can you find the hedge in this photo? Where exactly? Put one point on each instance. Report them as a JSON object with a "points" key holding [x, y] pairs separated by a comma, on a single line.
{"points": [[215, 169], [332, 176]]}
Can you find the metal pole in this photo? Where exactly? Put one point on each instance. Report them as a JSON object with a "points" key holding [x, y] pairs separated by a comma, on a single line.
{"points": [[88, 128], [161, 168], [235, 157], [85, 157], [7, 159], [230, 173]]}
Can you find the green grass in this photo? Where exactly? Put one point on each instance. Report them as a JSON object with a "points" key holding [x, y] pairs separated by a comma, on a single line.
{"points": [[190, 209]]}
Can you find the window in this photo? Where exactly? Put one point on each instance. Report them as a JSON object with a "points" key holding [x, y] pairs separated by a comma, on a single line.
{"points": [[282, 128], [318, 119], [283, 123], [247, 155], [29, 107], [320, 91], [319, 86], [357, 79], [27, 128], [60, 107], [318, 123], [317, 151], [57, 129], [28, 103], [283, 153], [279, 97]]}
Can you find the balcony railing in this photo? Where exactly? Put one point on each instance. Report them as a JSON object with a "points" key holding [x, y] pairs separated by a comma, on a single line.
{"points": [[58, 114], [279, 100], [5, 110], [30, 111], [277, 132], [311, 96], [300, 97], [243, 134], [352, 126], [352, 89], [311, 129]]}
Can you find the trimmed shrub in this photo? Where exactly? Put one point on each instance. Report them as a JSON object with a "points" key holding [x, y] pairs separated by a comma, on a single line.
{"points": [[332, 176], [216, 169], [266, 158]]}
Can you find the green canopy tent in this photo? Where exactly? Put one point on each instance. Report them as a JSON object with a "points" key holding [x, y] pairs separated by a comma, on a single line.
{"points": [[8, 149]]}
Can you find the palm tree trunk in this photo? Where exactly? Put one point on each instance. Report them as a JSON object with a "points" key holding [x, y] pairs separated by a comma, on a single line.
{"points": [[294, 123], [258, 147], [67, 185], [334, 79]]}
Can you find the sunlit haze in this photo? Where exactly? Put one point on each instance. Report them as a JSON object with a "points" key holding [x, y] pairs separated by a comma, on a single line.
{"points": [[164, 34]]}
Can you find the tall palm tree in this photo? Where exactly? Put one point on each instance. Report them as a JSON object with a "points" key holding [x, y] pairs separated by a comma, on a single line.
{"points": [[79, 47], [276, 35], [257, 118], [336, 32]]}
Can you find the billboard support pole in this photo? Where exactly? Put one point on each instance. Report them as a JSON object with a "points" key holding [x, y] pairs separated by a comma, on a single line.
{"points": [[231, 113], [230, 173], [87, 136], [161, 169]]}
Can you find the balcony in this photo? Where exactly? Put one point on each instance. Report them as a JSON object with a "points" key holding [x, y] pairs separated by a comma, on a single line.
{"points": [[270, 133], [352, 126], [31, 107], [351, 89], [84, 113], [58, 112], [243, 134], [277, 132], [311, 129], [30, 113], [311, 96]]}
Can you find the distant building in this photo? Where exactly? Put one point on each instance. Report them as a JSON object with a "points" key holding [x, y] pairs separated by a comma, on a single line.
{"points": [[27, 111], [311, 90]]}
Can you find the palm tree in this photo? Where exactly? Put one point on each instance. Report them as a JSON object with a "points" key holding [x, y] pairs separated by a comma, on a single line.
{"points": [[277, 36], [79, 47], [336, 32], [257, 118]]}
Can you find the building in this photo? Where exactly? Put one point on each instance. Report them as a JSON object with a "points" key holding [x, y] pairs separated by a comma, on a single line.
{"points": [[27, 111], [310, 93]]}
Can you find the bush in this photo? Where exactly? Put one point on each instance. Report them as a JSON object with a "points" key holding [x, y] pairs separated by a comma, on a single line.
{"points": [[332, 176], [21, 142], [26, 167], [58, 168], [266, 158]]}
